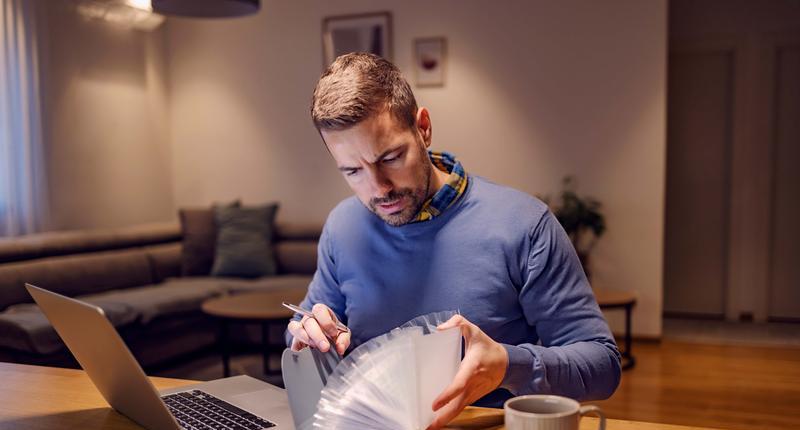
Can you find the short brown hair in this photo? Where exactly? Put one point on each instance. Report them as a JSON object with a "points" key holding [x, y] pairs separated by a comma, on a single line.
{"points": [[357, 86]]}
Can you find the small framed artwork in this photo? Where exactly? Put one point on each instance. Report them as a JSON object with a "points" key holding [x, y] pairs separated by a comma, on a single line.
{"points": [[430, 61], [369, 32]]}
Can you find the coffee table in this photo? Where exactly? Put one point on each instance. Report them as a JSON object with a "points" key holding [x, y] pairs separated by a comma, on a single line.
{"points": [[263, 308]]}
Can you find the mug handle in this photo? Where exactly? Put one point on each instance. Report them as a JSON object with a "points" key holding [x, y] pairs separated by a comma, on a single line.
{"points": [[596, 410]]}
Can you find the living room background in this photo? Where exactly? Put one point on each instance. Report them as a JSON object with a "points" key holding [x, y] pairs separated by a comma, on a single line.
{"points": [[197, 111]]}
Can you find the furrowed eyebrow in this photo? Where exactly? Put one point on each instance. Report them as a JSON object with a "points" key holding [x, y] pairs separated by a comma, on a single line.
{"points": [[386, 153], [380, 157]]}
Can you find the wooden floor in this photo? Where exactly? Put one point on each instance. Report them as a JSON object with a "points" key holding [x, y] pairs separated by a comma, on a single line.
{"points": [[720, 386]]}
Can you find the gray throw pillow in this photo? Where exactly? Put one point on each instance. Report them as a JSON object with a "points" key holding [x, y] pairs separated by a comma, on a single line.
{"points": [[244, 241]]}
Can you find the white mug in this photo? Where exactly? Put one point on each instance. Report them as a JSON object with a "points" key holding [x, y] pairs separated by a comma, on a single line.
{"points": [[546, 412]]}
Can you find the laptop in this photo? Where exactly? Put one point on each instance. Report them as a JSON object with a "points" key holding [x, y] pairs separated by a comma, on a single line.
{"points": [[239, 402]]}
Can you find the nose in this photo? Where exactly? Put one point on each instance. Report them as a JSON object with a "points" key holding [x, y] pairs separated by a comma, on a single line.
{"points": [[379, 183]]}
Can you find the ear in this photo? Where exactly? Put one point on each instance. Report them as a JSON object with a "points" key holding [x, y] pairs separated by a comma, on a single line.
{"points": [[424, 126]]}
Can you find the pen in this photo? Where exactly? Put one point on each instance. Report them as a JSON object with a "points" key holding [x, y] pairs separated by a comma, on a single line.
{"points": [[302, 311]]}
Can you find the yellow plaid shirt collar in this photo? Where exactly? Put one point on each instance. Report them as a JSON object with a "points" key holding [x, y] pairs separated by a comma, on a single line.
{"points": [[452, 190]]}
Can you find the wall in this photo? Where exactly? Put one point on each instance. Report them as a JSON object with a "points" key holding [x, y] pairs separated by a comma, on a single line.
{"points": [[535, 90], [105, 121]]}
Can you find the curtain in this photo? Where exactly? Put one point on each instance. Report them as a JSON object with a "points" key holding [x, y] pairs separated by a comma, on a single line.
{"points": [[22, 173]]}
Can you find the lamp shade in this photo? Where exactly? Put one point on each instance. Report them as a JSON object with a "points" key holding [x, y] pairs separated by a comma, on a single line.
{"points": [[206, 8]]}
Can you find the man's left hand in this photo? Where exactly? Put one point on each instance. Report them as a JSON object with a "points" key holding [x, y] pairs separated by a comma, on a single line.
{"points": [[481, 371]]}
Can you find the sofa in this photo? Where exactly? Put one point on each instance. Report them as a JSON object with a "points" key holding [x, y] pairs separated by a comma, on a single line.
{"points": [[134, 275]]}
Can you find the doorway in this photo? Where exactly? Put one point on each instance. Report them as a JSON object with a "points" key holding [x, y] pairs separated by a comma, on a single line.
{"points": [[732, 222]]}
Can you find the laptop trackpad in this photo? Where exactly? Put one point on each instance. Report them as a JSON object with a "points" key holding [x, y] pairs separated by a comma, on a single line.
{"points": [[264, 403]]}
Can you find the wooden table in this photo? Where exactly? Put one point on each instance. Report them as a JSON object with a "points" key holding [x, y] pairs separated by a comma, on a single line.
{"points": [[49, 398], [262, 308]]}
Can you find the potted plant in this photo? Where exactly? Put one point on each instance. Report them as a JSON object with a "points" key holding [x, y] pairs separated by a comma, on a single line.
{"points": [[581, 219]]}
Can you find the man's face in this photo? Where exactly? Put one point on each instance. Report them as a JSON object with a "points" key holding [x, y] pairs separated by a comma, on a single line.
{"points": [[385, 164]]}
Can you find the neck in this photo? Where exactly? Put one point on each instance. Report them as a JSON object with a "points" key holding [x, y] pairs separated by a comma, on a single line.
{"points": [[437, 181]]}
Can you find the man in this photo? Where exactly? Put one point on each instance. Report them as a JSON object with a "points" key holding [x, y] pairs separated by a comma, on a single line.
{"points": [[421, 236]]}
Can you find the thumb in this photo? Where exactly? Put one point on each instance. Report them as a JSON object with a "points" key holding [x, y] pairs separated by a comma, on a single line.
{"points": [[454, 321]]}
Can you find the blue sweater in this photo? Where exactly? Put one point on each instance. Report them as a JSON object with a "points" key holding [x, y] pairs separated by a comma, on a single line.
{"points": [[500, 258]]}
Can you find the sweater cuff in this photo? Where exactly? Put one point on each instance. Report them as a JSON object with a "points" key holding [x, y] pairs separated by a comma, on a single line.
{"points": [[520, 367]]}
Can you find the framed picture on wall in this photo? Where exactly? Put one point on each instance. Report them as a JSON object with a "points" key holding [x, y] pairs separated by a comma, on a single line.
{"points": [[369, 32], [430, 61]]}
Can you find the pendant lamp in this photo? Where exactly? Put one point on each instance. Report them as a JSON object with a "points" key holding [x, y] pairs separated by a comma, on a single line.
{"points": [[206, 8]]}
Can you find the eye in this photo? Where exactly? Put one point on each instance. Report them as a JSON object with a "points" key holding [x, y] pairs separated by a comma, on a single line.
{"points": [[351, 172], [392, 158]]}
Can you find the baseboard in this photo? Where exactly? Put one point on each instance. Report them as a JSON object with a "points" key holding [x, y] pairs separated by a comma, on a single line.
{"points": [[650, 338], [693, 316]]}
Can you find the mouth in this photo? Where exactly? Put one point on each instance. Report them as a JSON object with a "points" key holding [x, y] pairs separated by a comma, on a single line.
{"points": [[392, 207]]}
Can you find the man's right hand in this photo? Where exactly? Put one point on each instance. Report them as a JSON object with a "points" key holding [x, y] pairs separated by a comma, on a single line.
{"points": [[318, 332]]}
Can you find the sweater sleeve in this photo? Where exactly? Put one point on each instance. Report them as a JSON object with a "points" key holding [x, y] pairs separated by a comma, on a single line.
{"points": [[576, 356], [324, 286]]}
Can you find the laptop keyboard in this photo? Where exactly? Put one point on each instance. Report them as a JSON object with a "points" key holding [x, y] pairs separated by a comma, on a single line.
{"points": [[197, 410]]}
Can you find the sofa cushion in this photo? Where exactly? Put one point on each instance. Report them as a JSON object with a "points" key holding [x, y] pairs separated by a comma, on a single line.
{"points": [[296, 256], [199, 233], [199, 241], [24, 327], [165, 260], [244, 241], [174, 296], [297, 231], [75, 275]]}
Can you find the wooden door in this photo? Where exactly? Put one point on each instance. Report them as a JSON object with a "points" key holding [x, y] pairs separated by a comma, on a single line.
{"points": [[733, 181], [699, 115], [784, 294]]}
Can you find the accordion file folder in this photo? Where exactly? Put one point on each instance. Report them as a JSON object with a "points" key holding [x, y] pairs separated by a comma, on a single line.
{"points": [[388, 382]]}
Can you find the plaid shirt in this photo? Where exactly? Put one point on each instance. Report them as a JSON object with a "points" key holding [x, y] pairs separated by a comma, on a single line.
{"points": [[452, 190]]}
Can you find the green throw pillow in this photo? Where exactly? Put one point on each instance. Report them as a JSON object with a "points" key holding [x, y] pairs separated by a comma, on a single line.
{"points": [[244, 241]]}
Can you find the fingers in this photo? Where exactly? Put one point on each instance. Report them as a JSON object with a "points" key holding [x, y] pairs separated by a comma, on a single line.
{"points": [[319, 331], [448, 413], [342, 342], [457, 387], [297, 345], [307, 331], [316, 336], [325, 319], [297, 331], [480, 372]]}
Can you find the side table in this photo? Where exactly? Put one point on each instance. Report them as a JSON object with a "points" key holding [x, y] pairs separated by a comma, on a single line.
{"points": [[262, 308], [614, 299]]}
